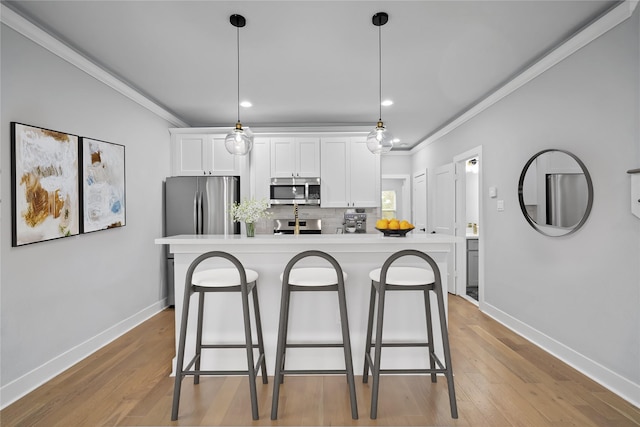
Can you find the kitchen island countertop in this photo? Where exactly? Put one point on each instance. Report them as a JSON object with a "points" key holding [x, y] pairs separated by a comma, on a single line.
{"points": [[287, 241]]}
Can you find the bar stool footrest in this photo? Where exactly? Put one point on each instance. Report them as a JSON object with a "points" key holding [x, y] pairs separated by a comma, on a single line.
{"points": [[185, 373], [413, 371], [431, 354], [403, 344], [314, 345], [313, 371], [229, 346]]}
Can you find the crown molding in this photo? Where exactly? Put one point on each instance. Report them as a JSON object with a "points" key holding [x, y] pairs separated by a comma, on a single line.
{"points": [[23, 26], [589, 33]]}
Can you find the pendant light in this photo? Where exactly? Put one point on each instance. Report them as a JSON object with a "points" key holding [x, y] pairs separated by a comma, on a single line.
{"points": [[238, 141], [380, 140]]}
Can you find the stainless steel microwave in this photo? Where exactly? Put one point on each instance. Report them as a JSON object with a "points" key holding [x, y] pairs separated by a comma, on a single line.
{"points": [[289, 191]]}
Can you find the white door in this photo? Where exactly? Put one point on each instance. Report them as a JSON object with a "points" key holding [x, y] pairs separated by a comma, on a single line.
{"points": [[444, 214], [420, 203]]}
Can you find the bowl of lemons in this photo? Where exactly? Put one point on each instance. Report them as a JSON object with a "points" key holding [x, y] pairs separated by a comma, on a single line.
{"points": [[394, 227]]}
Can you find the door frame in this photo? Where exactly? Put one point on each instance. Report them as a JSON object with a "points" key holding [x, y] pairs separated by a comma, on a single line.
{"points": [[406, 192], [445, 222], [460, 208]]}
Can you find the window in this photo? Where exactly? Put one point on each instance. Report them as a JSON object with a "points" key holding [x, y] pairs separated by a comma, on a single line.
{"points": [[388, 204]]}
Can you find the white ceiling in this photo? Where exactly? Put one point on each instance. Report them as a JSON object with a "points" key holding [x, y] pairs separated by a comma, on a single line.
{"points": [[315, 62]]}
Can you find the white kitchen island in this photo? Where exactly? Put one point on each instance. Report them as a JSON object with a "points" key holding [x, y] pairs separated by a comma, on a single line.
{"points": [[314, 315]]}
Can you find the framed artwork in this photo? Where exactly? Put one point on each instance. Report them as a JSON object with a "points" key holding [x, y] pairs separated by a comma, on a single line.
{"points": [[103, 185], [44, 184]]}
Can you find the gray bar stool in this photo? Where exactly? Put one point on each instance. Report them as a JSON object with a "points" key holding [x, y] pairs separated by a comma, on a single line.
{"points": [[390, 278], [235, 279], [312, 279]]}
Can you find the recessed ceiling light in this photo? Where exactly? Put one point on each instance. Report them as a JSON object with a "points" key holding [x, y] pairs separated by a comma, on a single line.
{"points": [[386, 103], [396, 140], [246, 104]]}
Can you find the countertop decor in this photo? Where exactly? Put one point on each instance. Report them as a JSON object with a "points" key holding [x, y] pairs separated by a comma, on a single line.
{"points": [[395, 233], [249, 211]]}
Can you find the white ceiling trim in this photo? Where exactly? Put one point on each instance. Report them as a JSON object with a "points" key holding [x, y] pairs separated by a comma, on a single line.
{"points": [[55, 46], [585, 36]]}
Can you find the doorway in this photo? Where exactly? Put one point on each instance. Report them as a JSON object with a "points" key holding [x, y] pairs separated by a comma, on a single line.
{"points": [[396, 197], [470, 256]]}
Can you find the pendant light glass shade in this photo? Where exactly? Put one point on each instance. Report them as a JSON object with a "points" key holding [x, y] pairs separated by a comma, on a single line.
{"points": [[239, 141], [380, 140]]}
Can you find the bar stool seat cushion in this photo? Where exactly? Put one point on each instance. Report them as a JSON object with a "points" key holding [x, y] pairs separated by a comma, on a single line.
{"points": [[221, 277], [405, 276], [313, 276]]}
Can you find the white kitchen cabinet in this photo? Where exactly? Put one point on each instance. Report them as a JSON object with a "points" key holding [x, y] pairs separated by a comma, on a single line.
{"points": [[472, 268], [350, 173], [202, 154], [260, 168], [295, 157]]}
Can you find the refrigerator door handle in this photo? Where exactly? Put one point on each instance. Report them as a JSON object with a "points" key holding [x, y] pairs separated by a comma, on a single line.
{"points": [[196, 219], [201, 214]]}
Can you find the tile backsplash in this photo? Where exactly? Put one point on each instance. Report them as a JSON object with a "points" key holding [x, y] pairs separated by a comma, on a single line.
{"points": [[332, 218]]}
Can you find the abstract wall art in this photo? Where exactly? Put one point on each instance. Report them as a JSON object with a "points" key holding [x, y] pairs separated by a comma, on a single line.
{"points": [[103, 184], [44, 184]]}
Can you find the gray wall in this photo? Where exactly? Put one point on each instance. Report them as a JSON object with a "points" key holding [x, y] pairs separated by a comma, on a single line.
{"points": [[61, 294], [580, 291]]}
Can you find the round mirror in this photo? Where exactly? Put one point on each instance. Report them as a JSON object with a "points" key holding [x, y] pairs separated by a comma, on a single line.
{"points": [[555, 192]]}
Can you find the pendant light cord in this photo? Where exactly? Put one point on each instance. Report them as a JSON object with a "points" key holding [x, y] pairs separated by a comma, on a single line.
{"points": [[380, 70], [238, 51]]}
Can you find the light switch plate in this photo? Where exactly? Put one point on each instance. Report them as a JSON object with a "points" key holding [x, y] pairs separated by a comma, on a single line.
{"points": [[500, 205], [493, 192]]}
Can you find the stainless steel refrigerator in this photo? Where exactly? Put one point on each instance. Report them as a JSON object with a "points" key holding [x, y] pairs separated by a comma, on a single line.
{"points": [[198, 205], [567, 198]]}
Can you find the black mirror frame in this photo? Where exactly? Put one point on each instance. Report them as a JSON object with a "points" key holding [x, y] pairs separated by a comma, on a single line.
{"points": [[521, 195]]}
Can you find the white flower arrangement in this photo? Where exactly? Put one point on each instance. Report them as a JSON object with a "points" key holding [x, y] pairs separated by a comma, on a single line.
{"points": [[250, 210]]}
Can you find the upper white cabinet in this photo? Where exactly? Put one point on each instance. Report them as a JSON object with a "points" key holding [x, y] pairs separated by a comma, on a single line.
{"points": [[295, 157], [350, 173], [260, 168], [202, 154]]}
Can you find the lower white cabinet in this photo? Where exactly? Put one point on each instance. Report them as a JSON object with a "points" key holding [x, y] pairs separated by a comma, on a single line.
{"points": [[472, 267], [350, 173], [197, 154]]}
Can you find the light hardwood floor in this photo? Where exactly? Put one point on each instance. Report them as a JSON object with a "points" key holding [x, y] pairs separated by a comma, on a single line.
{"points": [[500, 379]]}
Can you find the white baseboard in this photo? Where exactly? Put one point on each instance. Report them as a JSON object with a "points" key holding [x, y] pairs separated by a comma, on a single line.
{"points": [[617, 384], [16, 389]]}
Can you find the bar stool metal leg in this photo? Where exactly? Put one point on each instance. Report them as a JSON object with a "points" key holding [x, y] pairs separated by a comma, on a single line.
{"points": [[367, 349], [180, 356], [346, 339], [196, 378], [427, 310], [377, 353], [256, 310], [281, 348], [447, 350], [249, 346]]}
